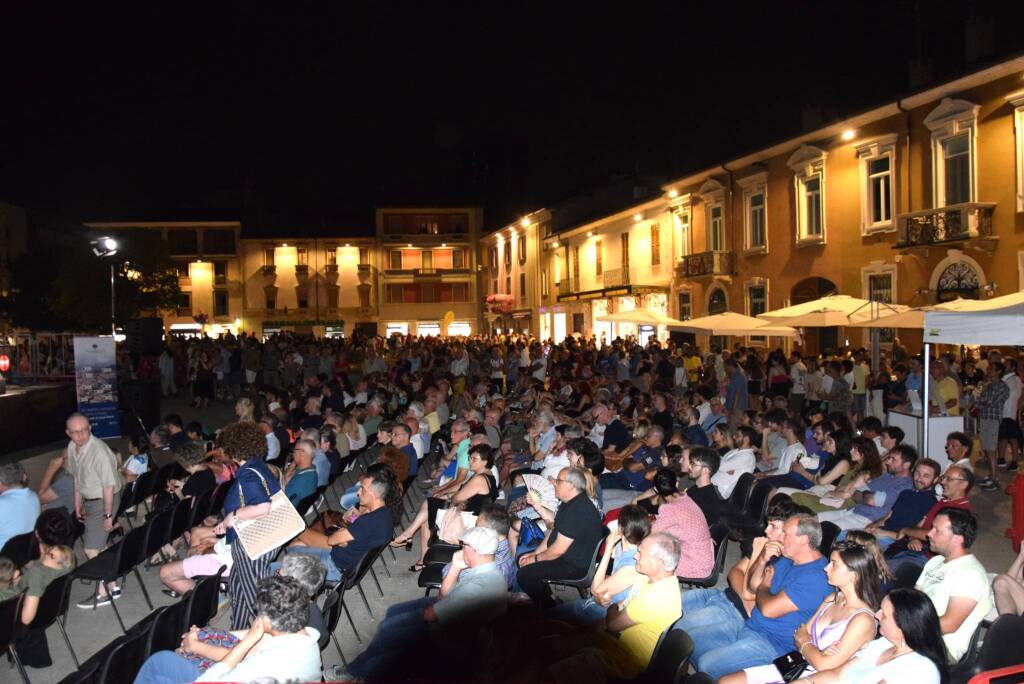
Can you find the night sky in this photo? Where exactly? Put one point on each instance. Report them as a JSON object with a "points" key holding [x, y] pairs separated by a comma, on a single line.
{"points": [[310, 114]]}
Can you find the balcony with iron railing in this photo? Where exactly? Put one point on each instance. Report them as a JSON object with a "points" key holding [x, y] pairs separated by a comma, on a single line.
{"points": [[568, 286], [955, 223], [617, 276], [704, 264]]}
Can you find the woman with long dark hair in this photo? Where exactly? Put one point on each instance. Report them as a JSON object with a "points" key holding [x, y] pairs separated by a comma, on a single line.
{"points": [[910, 648]]}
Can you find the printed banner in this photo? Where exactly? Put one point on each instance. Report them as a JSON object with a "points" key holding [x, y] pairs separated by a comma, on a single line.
{"points": [[96, 382]]}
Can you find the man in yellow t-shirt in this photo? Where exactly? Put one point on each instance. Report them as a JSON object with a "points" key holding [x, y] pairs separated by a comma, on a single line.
{"points": [[949, 391], [640, 621], [692, 364]]}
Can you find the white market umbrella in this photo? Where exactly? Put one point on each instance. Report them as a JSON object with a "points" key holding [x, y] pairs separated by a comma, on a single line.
{"points": [[914, 318], [735, 324], [640, 317], [833, 310]]}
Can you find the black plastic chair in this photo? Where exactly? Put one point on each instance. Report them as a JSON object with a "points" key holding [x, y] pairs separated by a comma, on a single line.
{"points": [[124, 659], [156, 535], [670, 660], [164, 475], [200, 508], [752, 520], [354, 580], [430, 577], [720, 537], [10, 619], [1000, 649], [115, 563], [202, 601], [143, 488], [53, 607], [305, 504], [332, 616], [440, 553], [21, 549], [182, 515], [85, 674], [737, 501], [164, 633], [582, 584], [219, 495], [829, 532]]}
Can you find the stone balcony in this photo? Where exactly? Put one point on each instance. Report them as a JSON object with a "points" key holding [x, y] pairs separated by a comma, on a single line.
{"points": [[955, 223], [705, 264]]}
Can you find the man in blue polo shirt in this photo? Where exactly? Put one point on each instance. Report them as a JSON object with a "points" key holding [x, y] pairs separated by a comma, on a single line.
{"points": [[19, 505], [789, 581]]}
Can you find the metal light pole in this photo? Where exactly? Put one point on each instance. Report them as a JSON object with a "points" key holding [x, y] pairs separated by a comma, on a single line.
{"points": [[105, 248]]}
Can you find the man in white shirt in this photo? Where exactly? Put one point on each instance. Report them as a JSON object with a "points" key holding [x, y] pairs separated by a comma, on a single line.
{"points": [[954, 579], [267, 425], [798, 386], [794, 450], [736, 462], [1009, 428]]}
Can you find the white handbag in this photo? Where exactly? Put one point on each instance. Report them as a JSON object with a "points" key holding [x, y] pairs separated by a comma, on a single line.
{"points": [[262, 535]]}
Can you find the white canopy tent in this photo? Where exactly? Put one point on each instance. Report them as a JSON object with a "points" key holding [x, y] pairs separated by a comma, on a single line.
{"points": [[730, 323], [998, 321], [914, 318]]}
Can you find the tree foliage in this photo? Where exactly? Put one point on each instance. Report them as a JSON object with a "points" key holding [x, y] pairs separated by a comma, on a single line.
{"points": [[60, 284]]}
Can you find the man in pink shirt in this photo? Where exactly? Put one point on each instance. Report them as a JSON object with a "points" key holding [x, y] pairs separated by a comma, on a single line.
{"points": [[683, 519]]}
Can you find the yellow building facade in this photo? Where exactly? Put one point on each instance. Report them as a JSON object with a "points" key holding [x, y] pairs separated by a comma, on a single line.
{"points": [[913, 202]]}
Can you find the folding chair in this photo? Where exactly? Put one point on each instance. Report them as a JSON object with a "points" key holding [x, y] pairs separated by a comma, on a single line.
{"points": [[53, 607], [10, 619], [202, 601], [115, 563]]}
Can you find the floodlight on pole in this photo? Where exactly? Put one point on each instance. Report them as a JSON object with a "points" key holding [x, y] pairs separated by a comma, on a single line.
{"points": [[106, 247]]}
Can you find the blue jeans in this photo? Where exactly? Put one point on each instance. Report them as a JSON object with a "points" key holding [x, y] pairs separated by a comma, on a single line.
{"points": [[401, 628], [350, 498], [579, 612], [333, 573], [167, 667], [722, 641]]}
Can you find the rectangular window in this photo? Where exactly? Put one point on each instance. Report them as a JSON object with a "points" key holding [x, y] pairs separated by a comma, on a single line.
{"points": [[812, 207], [880, 190], [302, 296], [494, 258], [459, 259], [411, 258], [756, 233], [682, 223], [364, 255], [956, 168], [332, 297], [440, 258], [716, 229], [655, 244], [331, 256], [880, 290], [576, 264], [220, 302], [544, 284], [183, 304], [757, 303], [508, 285], [219, 241], [522, 286], [182, 268], [182, 242], [598, 257], [427, 225], [685, 306], [301, 256], [625, 251], [427, 260], [508, 256], [494, 287], [270, 299], [521, 249], [268, 256], [220, 272], [396, 259], [410, 294]]}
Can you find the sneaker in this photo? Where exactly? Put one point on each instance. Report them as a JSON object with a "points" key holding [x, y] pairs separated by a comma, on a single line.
{"points": [[1012, 468], [988, 484], [101, 601], [339, 673], [170, 592]]}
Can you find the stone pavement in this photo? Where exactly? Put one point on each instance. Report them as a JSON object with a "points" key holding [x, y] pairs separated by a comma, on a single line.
{"points": [[90, 630]]}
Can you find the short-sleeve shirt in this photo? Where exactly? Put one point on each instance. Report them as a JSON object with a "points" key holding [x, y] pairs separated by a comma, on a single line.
{"points": [[964, 577], [706, 498], [649, 458], [891, 486], [64, 487], [616, 434], [806, 586], [579, 520], [684, 520], [19, 508], [94, 467], [479, 596], [949, 390], [654, 608], [249, 490], [911, 667], [302, 484], [368, 531], [414, 463], [37, 577], [461, 459], [911, 505]]}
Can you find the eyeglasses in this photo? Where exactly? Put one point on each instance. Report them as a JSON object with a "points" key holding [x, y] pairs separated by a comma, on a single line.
{"points": [[79, 432], [557, 479], [950, 477]]}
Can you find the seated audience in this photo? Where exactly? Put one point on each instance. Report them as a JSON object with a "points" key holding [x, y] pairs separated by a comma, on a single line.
{"points": [[19, 505], [911, 506], [299, 477], [701, 464], [788, 592], [881, 493], [736, 462], [865, 466], [682, 518]]}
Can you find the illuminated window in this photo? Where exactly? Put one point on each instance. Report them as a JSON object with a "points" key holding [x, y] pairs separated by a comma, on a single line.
{"points": [[301, 256], [625, 251], [268, 256], [521, 249], [543, 283], [877, 161], [953, 125], [757, 303], [808, 164], [331, 256], [522, 286], [755, 229], [655, 244], [598, 257], [396, 259]]}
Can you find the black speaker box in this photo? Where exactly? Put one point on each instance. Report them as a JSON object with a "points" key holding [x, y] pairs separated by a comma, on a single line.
{"points": [[144, 336]]}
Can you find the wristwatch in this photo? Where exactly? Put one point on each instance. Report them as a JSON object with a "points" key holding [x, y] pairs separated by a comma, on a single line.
{"points": [[107, 516]]}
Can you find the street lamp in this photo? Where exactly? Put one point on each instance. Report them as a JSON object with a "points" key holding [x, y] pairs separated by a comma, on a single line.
{"points": [[106, 247]]}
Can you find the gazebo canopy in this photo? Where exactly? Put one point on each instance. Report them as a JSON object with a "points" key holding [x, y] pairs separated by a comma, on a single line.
{"points": [[730, 323], [833, 310], [640, 317]]}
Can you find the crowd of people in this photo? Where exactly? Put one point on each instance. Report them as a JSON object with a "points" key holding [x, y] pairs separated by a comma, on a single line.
{"points": [[540, 461]]}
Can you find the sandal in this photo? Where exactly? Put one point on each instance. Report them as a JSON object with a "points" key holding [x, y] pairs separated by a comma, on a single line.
{"points": [[398, 543], [416, 567]]}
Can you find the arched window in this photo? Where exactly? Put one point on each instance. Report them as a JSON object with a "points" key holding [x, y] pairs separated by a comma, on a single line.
{"points": [[959, 279], [717, 302]]}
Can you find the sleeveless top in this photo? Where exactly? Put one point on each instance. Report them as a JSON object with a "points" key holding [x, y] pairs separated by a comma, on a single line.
{"points": [[823, 636], [475, 503]]}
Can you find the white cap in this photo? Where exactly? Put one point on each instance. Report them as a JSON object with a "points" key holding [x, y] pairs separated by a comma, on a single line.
{"points": [[484, 540]]}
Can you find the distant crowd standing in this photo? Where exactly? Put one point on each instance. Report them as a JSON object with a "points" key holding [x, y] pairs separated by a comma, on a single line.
{"points": [[540, 461]]}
